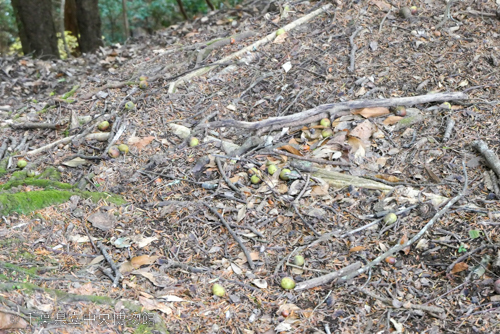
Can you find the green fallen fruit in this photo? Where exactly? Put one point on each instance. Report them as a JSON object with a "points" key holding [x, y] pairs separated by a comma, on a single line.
{"points": [[218, 290], [143, 84], [129, 105], [287, 283], [325, 122], [30, 173], [271, 169], [327, 133], [280, 32], [390, 218], [123, 148], [114, 152], [21, 163], [284, 174], [298, 260], [255, 179], [194, 142], [103, 126]]}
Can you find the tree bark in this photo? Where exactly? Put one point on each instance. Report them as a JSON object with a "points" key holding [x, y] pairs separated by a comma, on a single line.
{"points": [[70, 22], [36, 27], [181, 8], [89, 25], [125, 19]]}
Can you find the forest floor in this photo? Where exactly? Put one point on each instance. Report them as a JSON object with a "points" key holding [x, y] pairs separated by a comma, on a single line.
{"points": [[174, 219]]}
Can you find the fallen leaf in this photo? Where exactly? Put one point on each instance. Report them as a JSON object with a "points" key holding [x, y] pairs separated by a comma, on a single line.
{"points": [[11, 321], [151, 304], [141, 260], [389, 178], [357, 147], [290, 149], [391, 120], [357, 249], [371, 112], [460, 266], [140, 143], [260, 283], [363, 131]]}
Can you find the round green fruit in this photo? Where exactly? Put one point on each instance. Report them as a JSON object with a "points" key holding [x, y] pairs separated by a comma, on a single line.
{"points": [[271, 169], [194, 142], [114, 152], [103, 126], [21, 163], [298, 260], [129, 105], [284, 174], [325, 122], [30, 173], [287, 283], [218, 290], [327, 133], [123, 148], [390, 218], [143, 84], [255, 179], [280, 32]]}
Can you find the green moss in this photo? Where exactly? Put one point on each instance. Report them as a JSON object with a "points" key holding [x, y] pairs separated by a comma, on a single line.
{"points": [[50, 173], [70, 93], [25, 202], [12, 267], [47, 184], [11, 242]]}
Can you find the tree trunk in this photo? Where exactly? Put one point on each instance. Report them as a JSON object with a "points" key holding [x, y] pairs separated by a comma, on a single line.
{"points": [[70, 22], [181, 8], [36, 27], [210, 5], [125, 19], [68, 53], [89, 25]]}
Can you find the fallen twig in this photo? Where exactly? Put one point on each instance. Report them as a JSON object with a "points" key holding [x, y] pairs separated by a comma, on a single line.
{"points": [[407, 305], [112, 264], [354, 47], [400, 247], [224, 176], [488, 155], [317, 281], [235, 237], [250, 48], [315, 160], [333, 109]]}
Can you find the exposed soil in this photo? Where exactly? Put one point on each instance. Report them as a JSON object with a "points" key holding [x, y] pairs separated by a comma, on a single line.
{"points": [[176, 236]]}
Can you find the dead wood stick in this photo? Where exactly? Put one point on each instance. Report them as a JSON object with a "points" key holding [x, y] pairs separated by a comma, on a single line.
{"points": [[400, 247], [224, 176], [316, 233], [250, 48], [31, 125], [315, 160], [235, 237], [334, 109], [324, 279], [449, 128], [408, 305], [97, 136], [488, 155], [354, 48]]}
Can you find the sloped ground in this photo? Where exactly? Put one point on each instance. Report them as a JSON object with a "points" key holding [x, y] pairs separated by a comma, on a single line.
{"points": [[178, 247]]}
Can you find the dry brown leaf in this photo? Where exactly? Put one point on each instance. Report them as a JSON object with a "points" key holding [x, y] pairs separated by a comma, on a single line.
{"points": [[280, 39], [357, 249], [382, 5], [363, 130], [371, 112], [151, 304], [85, 289], [392, 120], [460, 266], [357, 146], [390, 178], [321, 190], [11, 321], [139, 261], [139, 142], [290, 149]]}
